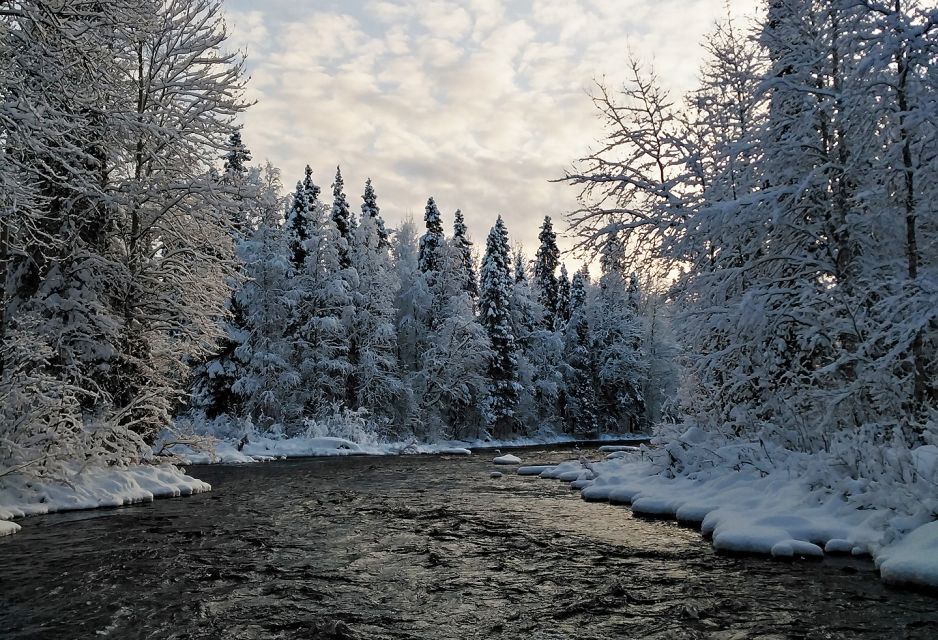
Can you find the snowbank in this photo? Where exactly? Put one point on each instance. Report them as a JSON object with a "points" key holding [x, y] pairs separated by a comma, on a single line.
{"points": [[92, 488], [264, 448], [802, 507]]}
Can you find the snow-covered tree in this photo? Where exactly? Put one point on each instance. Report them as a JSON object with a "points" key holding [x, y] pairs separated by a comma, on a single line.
{"points": [[464, 246], [370, 209], [374, 381], [495, 314], [301, 216], [545, 272], [563, 298], [343, 219]]}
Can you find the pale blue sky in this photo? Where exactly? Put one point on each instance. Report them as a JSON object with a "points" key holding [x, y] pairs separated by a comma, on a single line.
{"points": [[476, 102]]}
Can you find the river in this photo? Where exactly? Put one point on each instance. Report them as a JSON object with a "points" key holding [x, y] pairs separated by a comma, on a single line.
{"points": [[425, 547]]}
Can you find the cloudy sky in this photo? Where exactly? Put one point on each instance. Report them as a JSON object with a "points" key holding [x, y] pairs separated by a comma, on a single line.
{"points": [[478, 103]]}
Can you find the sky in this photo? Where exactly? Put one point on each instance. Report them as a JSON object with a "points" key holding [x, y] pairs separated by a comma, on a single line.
{"points": [[478, 103]]}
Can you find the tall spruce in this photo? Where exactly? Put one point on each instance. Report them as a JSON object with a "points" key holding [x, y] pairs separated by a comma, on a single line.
{"points": [[343, 219], [302, 216], [545, 271], [464, 246], [371, 210], [495, 313], [431, 243]]}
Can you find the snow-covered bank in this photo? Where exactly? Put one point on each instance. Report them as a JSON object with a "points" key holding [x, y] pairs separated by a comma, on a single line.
{"points": [[263, 448], [22, 495], [802, 506]]}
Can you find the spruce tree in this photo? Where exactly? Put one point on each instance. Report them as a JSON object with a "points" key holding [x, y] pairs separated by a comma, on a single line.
{"points": [[464, 246], [545, 268], [302, 217], [371, 210], [580, 400], [431, 243], [342, 218], [562, 315], [495, 312]]}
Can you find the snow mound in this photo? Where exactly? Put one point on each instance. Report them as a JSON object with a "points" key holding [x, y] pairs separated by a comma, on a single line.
{"points": [[455, 451], [8, 528], [912, 560], [534, 469], [94, 487], [507, 459]]}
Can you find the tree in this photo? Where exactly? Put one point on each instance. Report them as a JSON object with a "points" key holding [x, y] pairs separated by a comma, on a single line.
{"points": [[545, 269], [342, 219], [302, 216], [464, 246], [264, 364], [371, 210], [374, 382], [431, 243], [581, 404], [495, 314], [563, 298]]}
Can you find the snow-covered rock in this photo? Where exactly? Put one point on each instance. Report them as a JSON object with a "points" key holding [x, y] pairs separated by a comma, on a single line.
{"points": [[507, 459]]}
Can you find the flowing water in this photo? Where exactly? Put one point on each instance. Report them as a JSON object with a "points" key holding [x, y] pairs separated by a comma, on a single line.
{"points": [[417, 547]]}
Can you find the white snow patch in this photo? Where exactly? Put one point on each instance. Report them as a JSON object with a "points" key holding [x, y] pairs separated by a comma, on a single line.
{"points": [[507, 459], [534, 469], [616, 448], [912, 560], [793, 505], [8, 528], [92, 488]]}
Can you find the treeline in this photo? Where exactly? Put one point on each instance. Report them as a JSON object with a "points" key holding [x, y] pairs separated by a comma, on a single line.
{"points": [[336, 317], [792, 198]]}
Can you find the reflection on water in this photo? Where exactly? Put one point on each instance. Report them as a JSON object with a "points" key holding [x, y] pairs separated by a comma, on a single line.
{"points": [[416, 547]]}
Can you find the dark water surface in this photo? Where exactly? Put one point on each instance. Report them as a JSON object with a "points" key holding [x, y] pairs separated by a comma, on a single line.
{"points": [[416, 547]]}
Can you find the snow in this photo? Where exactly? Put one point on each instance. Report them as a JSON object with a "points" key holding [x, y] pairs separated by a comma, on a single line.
{"points": [[533, 470], [8, 528], [788, 511], [610, 448], [912, 560], [507, 459], [92, 488]]}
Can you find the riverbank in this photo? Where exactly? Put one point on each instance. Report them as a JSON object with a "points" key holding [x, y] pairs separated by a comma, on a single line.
{"points": [[796, 506], [91, 488], [259, 448]]}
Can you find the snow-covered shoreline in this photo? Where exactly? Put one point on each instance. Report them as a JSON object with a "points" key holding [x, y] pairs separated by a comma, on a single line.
{"points": [[782, 512], [261, 448], [92, 488]]}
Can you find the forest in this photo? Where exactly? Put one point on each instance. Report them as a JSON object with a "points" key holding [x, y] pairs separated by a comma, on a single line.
{"points": [[765, 251]]}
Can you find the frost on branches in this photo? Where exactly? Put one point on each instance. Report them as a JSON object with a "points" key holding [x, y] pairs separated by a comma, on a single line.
{"points": [[790, 201]]}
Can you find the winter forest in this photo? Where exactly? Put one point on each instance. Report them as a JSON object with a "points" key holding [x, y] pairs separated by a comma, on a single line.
{"points": [[756, 260]]}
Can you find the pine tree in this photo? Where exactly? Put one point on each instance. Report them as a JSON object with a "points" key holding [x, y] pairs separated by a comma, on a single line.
{"points": [[371, 210], [462, 244], [374, 381], [545, 268], [495, 311], [562, 315], [302, 217], [431, 243], [343, 219], [581, 406]]}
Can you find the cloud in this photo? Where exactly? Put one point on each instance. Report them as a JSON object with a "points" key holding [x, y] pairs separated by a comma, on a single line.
{"points": [[479, 103]]}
